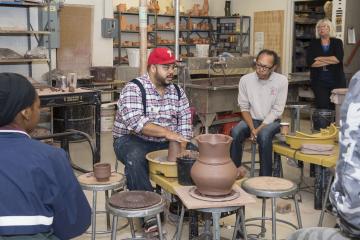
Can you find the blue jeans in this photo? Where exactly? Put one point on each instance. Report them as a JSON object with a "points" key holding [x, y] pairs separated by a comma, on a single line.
{"points": [[131, 151], [264, 139]]}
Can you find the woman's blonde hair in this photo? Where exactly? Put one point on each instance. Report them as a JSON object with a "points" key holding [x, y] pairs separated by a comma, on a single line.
{"points": [[328, 23]]}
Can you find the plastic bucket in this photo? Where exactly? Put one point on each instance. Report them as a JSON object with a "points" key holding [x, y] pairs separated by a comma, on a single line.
{"points": [[322, 118], [134, 56], [184, 165], [202, 50], [107, 118]]}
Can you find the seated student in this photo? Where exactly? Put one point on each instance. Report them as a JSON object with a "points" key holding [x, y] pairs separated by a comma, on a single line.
{"points": [[40, 197], [262, 98], [345, 191]]}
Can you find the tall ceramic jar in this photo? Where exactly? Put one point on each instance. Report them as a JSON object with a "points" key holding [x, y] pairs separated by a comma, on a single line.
{"points": [[214, 173]]}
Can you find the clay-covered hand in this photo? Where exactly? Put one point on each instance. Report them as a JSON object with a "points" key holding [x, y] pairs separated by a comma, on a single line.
{"points": [[173, 136]]}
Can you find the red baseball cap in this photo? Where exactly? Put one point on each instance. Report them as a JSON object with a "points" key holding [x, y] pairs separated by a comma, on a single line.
{"points": [[161, 56]]}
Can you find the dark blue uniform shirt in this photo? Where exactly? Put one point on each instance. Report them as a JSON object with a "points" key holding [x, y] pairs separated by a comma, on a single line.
{"points": [[38, 190]]}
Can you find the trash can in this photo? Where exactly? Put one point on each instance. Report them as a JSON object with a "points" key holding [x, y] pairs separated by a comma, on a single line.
{"points": [[321, 118]]}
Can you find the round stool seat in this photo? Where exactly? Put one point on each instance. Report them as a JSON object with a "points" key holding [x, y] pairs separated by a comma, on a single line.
{"points": [[272, 187], [90, 183], [134, 199], [135, 204]]}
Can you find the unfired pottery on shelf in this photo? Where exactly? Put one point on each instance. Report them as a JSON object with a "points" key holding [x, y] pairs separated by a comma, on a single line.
{"points": [[214, 173]]}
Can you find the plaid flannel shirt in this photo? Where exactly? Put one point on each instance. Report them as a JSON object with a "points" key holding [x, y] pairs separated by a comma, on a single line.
{"points": [[167, 111]]}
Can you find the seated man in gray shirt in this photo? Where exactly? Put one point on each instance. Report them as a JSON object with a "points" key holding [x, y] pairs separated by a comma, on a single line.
{"points": [[262, 98]]}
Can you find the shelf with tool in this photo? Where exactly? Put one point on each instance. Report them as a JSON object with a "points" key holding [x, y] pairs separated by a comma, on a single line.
{"points": [[39, 36], [306, 15], [233, 34]]}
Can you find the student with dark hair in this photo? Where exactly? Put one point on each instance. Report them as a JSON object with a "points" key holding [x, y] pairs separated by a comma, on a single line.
{"points": [[40, 197], [262, 98]]}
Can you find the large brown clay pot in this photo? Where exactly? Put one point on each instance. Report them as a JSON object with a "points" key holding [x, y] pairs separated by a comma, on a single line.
{"points": [[214, 173]]}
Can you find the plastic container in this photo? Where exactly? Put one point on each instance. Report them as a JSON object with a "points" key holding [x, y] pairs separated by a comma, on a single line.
{"points": [[338, 97], [322, 118], [184, 165], [107, 117], [134, 56], [202, 50]]}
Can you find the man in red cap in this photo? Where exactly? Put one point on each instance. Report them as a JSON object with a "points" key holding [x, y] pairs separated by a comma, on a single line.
{"points": [[151, 112]]}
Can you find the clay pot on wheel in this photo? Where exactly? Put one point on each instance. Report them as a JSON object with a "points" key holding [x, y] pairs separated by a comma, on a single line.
{"points": [[214, 173], [102, 171]]}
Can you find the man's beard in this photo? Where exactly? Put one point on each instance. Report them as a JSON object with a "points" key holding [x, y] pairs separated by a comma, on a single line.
{"points": [[162, 80]]}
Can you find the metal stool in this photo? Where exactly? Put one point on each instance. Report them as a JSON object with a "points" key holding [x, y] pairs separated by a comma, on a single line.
{"points": [[272, 187], [295, 114], [323, 209], [252, 160], [88, 182], [216, 214], [135, 204]]}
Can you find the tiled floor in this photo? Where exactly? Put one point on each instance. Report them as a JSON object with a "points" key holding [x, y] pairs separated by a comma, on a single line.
{"points": [[80, 154]]}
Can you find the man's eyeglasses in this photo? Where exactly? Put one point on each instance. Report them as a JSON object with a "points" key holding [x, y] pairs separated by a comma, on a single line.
{"points": [[263, 67], [168, 67]]}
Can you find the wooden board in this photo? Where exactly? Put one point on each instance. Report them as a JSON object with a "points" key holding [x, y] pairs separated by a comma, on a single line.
{"points": [[271, 23], [76, 26], [193, 203]]}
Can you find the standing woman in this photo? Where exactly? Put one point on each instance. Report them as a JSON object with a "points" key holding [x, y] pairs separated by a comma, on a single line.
{"points": [[325, 59]]}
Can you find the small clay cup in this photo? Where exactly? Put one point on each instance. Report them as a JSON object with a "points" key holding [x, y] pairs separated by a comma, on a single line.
{"points": [[284, 128], [102, 171]]}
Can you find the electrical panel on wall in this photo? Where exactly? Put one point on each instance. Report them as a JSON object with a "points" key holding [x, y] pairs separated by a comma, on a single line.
{"points": [[338, 16], [51, 25], [108, 27]]}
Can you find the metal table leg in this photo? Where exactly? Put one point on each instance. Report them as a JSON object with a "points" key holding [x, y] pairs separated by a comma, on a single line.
{"points": [[216, 225], [243, 227], [319, 183], [114, 229], [180, 225], [277, 165], [273, 209], [158, 220], [93, 221], [193, 224]]}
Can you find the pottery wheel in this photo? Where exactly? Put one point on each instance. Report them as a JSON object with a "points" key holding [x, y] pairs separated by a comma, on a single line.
{"points": [[134, 199], [196, 194]]}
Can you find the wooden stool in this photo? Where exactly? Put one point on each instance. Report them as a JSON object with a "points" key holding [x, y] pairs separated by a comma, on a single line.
{"points": [[272, 187], [135, 204], [88, 182]]}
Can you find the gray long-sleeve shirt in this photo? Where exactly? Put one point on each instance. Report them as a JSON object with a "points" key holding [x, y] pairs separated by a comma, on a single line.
{"points": [[264, 99]]}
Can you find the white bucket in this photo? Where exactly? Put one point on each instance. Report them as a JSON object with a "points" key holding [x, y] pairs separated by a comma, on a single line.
{"points": [[134, 56], [202, 50], [107, 117]]}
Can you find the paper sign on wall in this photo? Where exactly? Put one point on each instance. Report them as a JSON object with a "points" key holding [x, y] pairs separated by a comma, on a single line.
{"points": [[259, 42]]}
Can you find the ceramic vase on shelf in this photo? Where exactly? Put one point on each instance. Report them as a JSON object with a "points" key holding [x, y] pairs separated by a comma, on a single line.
{"points": [[214, 173]]}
